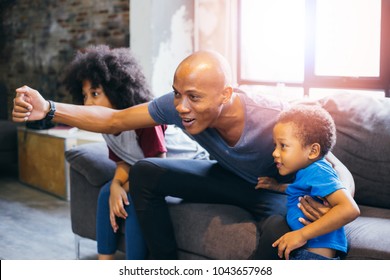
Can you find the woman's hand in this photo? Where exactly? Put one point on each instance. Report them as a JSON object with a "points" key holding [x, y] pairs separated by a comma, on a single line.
{"points": [[312, 209], [118, 198]]}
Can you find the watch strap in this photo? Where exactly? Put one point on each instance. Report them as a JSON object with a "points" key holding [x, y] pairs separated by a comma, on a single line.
{"points": [[50, 114]]}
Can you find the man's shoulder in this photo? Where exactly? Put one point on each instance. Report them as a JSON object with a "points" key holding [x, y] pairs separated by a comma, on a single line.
{"points": [[262, 100], [162, 109], [165, 99]]}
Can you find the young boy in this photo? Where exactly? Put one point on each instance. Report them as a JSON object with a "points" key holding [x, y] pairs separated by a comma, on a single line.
{"points": [[303, 135]]}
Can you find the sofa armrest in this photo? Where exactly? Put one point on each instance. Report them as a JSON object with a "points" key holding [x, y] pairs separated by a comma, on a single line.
{"points": [[91, 161]]}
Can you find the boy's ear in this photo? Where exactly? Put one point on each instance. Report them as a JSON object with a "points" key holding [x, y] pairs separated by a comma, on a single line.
{"points": [[315, 151]]}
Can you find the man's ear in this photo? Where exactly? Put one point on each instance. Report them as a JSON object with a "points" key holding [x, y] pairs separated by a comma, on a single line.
{"points": [[315, 150], [227, 94]]}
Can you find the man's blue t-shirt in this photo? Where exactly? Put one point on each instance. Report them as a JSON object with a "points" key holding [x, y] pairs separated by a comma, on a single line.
{"points": [[319, 179], [251, 157]]}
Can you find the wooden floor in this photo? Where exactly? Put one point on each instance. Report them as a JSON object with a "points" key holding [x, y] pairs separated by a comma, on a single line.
{"points": [[36, 226]]}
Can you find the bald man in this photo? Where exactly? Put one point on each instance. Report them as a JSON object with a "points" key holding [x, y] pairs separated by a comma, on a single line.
{"points": [[234, 128]]}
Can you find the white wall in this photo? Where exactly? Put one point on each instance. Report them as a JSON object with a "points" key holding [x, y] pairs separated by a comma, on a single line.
{"points": [[161, 35], [216, 28]]}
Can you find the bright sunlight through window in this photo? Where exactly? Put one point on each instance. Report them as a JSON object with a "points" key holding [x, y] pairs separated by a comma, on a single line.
{"points": [[345, 41], [348, 38], [272, 34]]}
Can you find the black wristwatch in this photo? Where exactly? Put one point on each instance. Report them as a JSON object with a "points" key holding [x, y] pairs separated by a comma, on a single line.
{"points": [[50, 114]]}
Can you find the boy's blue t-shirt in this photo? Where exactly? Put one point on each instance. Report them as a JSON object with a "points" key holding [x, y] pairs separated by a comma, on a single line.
{"points": [[251, 157], [319, 179]]}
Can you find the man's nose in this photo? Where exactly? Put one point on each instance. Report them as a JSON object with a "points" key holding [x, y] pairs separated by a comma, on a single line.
{"points": [[183, 105]]}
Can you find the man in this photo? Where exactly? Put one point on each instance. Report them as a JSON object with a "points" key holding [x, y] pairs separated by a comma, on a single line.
{"points": [[235, 129]]}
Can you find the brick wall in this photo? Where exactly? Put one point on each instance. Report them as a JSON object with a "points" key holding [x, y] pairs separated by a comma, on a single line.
{"points": [[38, 38]]}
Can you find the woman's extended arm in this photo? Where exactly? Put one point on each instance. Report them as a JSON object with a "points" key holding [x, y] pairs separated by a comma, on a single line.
{"points": [[29, 105]]}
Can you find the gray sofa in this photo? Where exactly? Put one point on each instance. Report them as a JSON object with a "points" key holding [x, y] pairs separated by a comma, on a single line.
{"points": [[8, 148], [207, 231]]}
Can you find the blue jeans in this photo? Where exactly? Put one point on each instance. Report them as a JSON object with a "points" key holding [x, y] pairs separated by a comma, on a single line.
{"points": [[107, 239], [302, 254]]}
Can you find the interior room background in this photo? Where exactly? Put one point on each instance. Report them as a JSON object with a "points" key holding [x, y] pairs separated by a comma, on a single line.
{"points": [[38, 38]]}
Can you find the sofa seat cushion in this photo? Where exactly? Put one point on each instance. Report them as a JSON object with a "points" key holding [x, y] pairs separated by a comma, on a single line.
{"points": [[368, 235], [363, 137], [214, 231], [87, 160]]}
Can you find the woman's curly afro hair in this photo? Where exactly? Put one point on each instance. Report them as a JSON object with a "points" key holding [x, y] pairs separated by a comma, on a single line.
{"points": [[115, 70], [313, 125]]}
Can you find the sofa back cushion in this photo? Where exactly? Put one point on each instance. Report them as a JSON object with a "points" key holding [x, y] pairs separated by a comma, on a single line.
{"points": [[363, 143]]}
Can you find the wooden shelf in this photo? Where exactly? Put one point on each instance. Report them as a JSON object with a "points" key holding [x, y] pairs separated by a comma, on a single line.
{"points": [[42, 161]]}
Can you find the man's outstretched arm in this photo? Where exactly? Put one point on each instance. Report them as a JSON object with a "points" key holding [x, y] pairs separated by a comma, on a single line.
{"points": [[29, 105]]}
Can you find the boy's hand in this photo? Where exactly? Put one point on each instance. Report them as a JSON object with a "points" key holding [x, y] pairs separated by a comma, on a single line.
{"points": [[267, 183], [289, 242]]}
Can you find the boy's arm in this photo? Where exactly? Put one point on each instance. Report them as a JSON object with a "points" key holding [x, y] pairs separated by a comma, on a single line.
{"points": [[344, 174], [313, 209], [344, 210], [269, 183]]}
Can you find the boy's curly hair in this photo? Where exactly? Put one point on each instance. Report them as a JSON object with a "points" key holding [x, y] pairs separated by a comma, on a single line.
{"points": [[115, 70], [313, 125]]}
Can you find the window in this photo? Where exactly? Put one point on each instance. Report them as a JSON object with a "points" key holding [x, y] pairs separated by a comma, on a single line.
{"points": [[310, 45]]}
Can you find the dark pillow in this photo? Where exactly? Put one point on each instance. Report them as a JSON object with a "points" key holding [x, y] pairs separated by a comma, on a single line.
{"points": [[363, 143], [91, 160]]}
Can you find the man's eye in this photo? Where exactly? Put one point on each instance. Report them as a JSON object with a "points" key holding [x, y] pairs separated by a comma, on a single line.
{"points": [[194, 97], [95, 93]]}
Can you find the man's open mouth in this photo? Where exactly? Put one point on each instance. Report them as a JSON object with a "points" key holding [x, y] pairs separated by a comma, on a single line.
{"points": [[187, 121]]}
